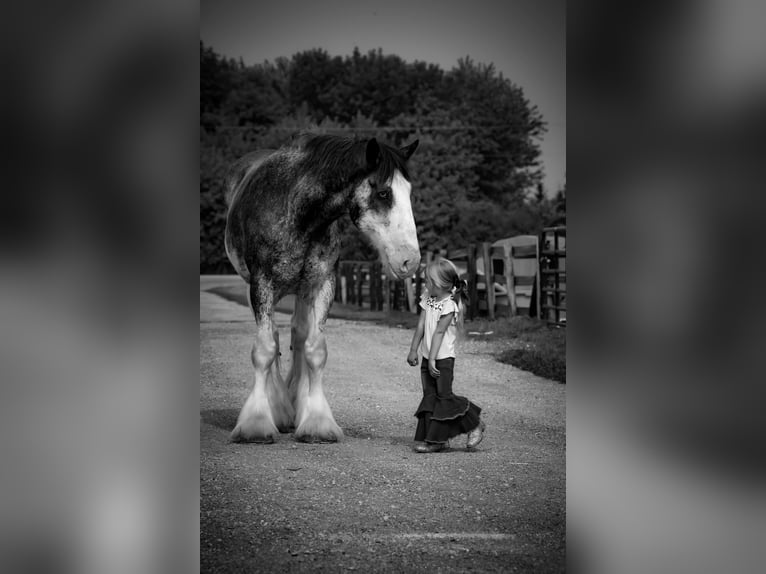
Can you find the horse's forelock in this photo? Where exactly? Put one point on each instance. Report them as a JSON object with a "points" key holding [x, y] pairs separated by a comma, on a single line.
{"points": [[391, 160]]}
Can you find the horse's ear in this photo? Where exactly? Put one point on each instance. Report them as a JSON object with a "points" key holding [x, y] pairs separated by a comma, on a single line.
{"points": [[372, 154], [407, 151]]}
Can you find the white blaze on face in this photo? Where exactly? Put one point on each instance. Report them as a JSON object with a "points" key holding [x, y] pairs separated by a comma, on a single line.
{"points": [[392, 230]]}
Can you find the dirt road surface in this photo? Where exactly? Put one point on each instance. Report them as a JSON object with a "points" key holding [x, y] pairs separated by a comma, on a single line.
{"points": [[369, 503]]}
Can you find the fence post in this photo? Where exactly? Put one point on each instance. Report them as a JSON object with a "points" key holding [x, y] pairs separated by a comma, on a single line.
{"points": [[376, 272], [488, 280], [510, 282], [359, 285], [351, 269], [372, 291], [473, 292], [387, 294], [343, 283], [336, 283], [409, 295], [537, 279]]}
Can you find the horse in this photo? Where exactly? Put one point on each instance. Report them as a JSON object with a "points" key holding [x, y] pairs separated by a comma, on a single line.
{"points": [[282, 237]]}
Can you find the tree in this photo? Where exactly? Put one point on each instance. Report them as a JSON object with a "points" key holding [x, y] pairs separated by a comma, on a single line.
{"points": [[215, 83], [505, 126], [313, 80], [560, 205], [257, 97], [214, 163]]}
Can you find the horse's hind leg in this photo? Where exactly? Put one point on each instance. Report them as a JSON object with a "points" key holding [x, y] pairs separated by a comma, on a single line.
{"points": [[298, 334], [277, 393], [266, 408], [314, 421]]}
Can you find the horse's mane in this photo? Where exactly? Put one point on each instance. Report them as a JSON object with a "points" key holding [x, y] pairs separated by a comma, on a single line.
{"points": [[333, 152]]}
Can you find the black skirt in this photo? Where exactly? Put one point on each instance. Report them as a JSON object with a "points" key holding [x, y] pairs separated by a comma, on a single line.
{"points": [[442, 414]]}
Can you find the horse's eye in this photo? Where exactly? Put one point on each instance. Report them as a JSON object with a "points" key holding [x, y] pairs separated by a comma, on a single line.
{"points": [[383, 193]]}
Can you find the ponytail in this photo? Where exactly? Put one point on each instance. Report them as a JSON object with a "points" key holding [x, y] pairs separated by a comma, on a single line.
{"points": [[460, 297], [460, 290]]}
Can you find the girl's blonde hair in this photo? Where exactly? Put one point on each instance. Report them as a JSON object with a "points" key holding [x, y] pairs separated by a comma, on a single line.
{"points": [[445, 275]]}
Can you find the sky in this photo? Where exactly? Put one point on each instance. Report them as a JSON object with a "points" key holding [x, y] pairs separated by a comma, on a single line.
{"points": [[524, 39]]}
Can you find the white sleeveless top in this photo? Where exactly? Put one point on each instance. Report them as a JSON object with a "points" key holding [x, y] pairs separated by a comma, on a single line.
{"points": [[434, 310]]}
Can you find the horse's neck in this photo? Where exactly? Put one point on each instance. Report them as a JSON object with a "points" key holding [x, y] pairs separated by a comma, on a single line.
{"points": [[319, 207]]}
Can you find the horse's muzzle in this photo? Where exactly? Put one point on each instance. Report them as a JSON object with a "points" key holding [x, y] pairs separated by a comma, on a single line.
{"points": [[406, 267]]}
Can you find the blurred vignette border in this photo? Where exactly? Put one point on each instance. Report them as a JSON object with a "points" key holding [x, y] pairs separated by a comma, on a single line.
{"points": [[665, 432], [99, 407]]}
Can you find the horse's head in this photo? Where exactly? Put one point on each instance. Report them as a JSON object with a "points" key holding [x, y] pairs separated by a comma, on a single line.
{"points": [[382, 210]]}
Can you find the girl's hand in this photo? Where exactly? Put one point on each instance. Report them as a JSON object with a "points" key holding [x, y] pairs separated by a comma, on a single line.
{"points": [[412, 358], [432, 368]]}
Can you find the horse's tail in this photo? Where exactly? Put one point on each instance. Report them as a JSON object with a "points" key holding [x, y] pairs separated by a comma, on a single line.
{"points": [[236, 180], [241, 170]]}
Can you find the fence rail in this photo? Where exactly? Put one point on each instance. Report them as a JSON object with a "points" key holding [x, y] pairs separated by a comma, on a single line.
{"points": [[511, 267]]}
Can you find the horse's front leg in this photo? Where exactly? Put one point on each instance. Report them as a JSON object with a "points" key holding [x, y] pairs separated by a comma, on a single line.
{"points": [[267, 409], [313, 418]]}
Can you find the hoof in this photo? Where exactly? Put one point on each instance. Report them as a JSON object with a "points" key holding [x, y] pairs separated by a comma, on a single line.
{"points": [[318, 429], [239, 438], [253, 434]]}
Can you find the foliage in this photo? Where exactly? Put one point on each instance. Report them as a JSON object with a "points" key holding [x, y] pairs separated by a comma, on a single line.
{"points": [[212, 210], [474, 174]]}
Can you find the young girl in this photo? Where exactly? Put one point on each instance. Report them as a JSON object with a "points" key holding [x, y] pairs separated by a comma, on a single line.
{"points": [[441, 415]]}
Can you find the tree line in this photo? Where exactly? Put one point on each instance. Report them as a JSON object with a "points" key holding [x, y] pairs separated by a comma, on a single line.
{"points": [[476, 175]]}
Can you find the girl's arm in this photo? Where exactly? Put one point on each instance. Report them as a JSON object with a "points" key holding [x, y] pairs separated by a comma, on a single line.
{"points": [[412, 358], [436, 342]]}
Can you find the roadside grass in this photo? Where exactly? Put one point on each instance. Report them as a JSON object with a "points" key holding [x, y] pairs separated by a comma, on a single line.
{"points": [[526, 343]]}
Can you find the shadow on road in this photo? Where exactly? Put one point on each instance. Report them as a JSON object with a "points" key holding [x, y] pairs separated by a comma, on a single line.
{"points": [[224, 419]]}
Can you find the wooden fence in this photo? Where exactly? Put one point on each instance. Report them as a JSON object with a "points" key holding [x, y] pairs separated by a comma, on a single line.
{"points": [[364, 284], [553, 270], [510, 266]]}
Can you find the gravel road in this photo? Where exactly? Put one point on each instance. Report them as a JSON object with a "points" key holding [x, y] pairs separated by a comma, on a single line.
{"points": [[369, 503]]}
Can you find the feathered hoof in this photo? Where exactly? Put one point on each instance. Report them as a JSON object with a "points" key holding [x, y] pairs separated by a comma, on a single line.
{"points": [[254, 432], [238, 437], [318, 430]]}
